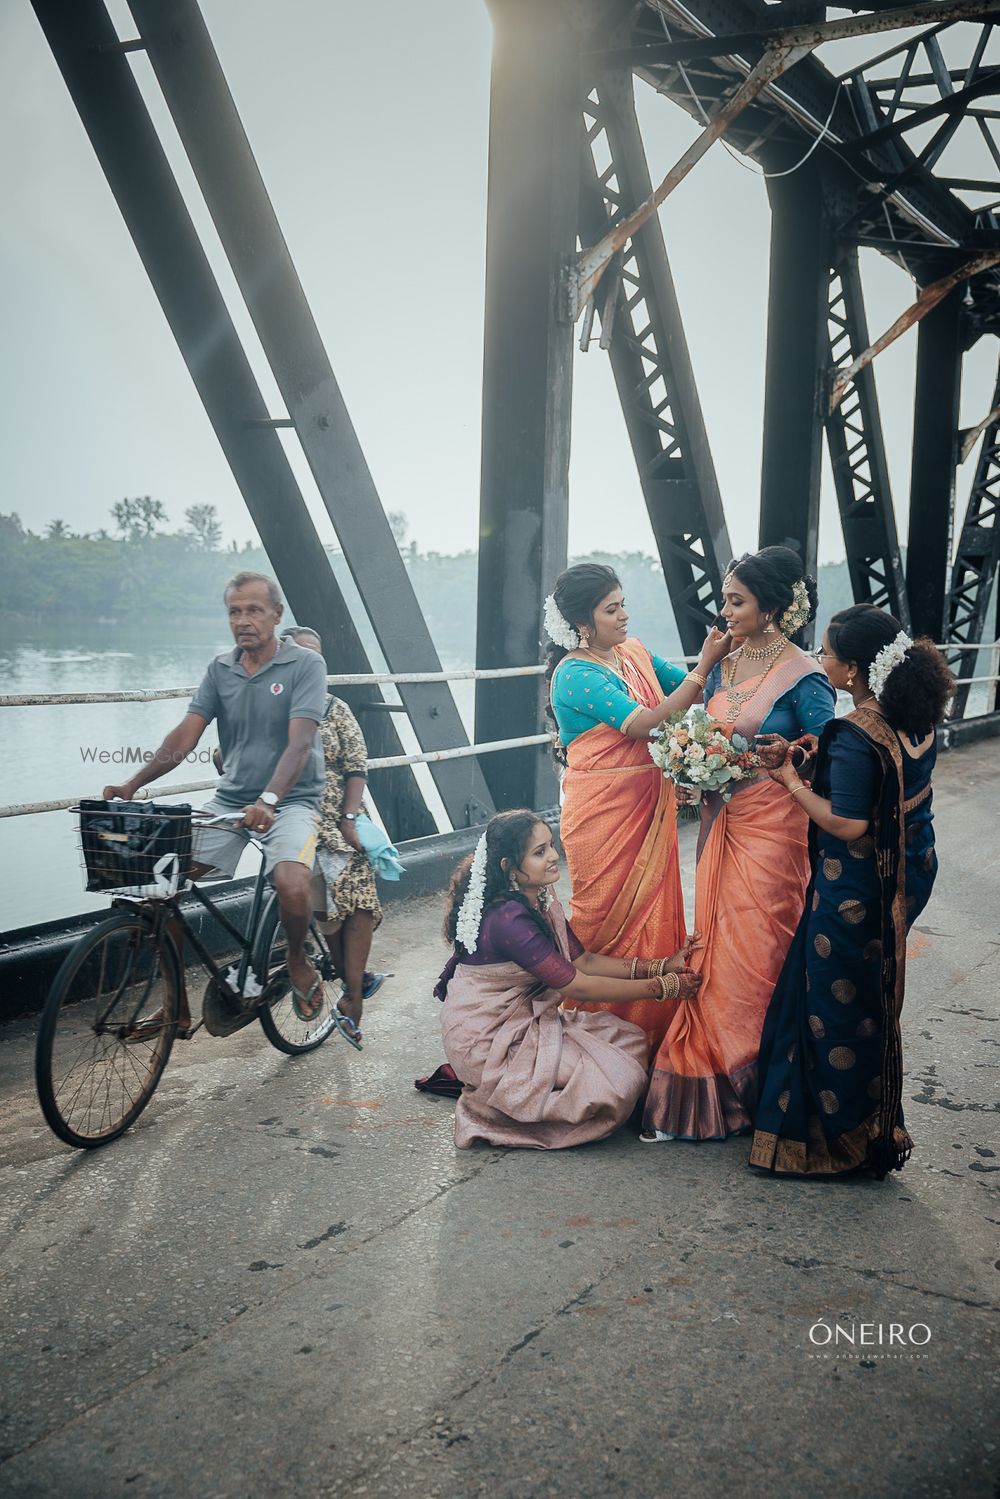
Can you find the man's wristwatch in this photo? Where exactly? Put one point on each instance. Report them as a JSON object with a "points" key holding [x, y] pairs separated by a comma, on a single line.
{"points": [[348, 816], [269, 799]]}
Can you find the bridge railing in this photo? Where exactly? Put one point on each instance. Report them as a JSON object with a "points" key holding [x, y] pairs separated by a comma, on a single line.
{"points": [[357, 679]]}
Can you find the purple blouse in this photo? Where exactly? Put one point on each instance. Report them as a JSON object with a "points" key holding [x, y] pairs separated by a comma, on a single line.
{"points": [[509, 935]]}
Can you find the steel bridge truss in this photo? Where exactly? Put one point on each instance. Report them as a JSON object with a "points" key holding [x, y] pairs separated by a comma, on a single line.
{"points": [[846, 170], [974, 575], [641, 327]]}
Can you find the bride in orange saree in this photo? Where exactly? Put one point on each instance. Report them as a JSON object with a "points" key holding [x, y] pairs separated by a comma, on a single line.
{"points": [[618, 824], [753, 860]]}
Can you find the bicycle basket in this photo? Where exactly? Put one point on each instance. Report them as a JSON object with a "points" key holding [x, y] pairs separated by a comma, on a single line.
{"points": [[138, 848]]}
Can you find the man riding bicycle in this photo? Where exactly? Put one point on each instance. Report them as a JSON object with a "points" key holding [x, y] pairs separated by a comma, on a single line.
{"points": [[269, 697]]}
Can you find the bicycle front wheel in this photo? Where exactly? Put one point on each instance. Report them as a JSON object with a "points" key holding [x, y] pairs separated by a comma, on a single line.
{"points": [[281, 1025], [96, 1063]]}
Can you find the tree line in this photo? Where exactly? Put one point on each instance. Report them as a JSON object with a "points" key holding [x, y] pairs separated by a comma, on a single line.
{"points": [[137, 570]]}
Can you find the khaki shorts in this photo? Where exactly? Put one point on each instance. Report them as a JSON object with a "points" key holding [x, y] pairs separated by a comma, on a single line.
{"points": [[291, 838]]}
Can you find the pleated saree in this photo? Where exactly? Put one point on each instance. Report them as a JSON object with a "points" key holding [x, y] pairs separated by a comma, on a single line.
{"points": [[619, 832], [752, 873], [535, 1076], [831, 1054]]}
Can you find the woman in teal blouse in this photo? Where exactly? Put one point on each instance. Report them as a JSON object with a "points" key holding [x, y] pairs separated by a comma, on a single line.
{"points": [[618, 823]]}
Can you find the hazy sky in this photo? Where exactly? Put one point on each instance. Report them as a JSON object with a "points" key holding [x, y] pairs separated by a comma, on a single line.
{"points": [[370, 128]]}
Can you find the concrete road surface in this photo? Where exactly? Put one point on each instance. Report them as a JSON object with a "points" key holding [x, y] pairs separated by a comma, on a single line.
{"points": [[286, 1281]]}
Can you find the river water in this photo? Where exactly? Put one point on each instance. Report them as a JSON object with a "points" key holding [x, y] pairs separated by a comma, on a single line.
{"points": [[51, 753]]}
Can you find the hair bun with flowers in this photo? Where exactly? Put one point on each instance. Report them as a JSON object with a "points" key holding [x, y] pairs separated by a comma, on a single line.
{"points": [[470, 912], [886, 661], [557, 626], [799, 611]]}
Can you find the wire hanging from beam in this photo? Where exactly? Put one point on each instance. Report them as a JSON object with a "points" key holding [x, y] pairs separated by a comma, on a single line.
{"points": [[746, 165]]}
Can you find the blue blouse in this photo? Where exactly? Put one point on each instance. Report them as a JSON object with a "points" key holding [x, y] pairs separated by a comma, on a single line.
{"points": [[585, 693], [805, 708], [853, 770]]}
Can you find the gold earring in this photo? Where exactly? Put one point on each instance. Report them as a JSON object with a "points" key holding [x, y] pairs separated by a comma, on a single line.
{"points": [[769, 628], [850, 680], [584, 638]]}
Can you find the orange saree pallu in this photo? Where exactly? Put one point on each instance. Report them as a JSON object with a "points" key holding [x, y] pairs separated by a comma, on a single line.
{"points": [[753, 869], [619, 831]]}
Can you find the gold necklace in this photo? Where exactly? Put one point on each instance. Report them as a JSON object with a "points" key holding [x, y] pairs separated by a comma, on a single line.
{"points": [[736, 696], [764, 652]]}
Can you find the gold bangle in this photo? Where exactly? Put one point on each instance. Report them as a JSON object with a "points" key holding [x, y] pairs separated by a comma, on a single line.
{"points": [[670, 986], [696, 676], [632, 968], [800, 786]]}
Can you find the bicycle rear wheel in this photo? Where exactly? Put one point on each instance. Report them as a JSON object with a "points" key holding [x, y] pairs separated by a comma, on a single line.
{"points": [[93, 1073], [281, 1025]]}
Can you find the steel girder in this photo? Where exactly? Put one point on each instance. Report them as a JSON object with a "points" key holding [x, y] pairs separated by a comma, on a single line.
{"points": [[976, 560], [932, 475], [797, 354], [99, 78], [183, 58], [527, 372], [642, 327], [857, 455]]}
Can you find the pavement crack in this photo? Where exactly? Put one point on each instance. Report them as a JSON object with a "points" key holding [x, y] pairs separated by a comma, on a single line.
{"points": [[331, 1233], [887, 1280]]}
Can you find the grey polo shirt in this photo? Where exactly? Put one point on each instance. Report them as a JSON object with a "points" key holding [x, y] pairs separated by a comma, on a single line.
{"points": [[253, 714]]}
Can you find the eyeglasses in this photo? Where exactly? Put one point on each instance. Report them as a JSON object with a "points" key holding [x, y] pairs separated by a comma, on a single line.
{"points": [[819, 654]]}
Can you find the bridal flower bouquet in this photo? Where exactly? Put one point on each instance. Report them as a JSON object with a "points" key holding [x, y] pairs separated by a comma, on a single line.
{"points": [[696, 751]]}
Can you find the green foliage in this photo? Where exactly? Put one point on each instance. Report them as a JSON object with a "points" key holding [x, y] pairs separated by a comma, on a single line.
{"points": [[147, 573], [203, 527], [138, 518]]}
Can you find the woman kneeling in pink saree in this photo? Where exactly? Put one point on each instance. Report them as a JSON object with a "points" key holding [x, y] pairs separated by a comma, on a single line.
{"points": [[537, 1075]]}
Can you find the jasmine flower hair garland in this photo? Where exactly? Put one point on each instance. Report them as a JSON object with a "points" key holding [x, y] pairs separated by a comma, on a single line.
{"points": [[470, 912], [557, 626], [886, 661]]}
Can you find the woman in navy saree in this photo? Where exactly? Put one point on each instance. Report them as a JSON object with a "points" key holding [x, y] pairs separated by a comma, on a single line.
{"points": [[831, 1067]]}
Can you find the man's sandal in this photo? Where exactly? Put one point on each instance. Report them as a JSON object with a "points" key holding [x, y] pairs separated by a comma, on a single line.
{"points": [[307, 1006], [348, 1028]]}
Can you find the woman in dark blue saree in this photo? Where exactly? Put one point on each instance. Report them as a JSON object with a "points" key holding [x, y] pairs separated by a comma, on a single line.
{"points": [[830, 1098]]}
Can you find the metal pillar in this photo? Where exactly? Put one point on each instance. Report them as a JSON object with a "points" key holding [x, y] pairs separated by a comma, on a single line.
{"points": [[527, 370], [194, 86], [642, 327], [976, 560], [932, 478], [99, 78], [797, 353], [857, 455]]}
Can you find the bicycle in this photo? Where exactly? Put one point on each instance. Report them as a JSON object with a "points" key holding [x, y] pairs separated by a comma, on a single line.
{"points": [[100, 1054]]}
